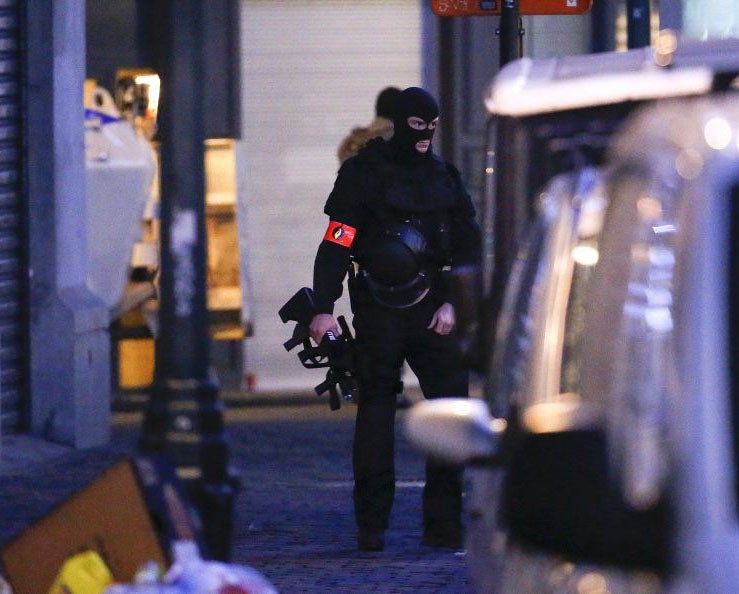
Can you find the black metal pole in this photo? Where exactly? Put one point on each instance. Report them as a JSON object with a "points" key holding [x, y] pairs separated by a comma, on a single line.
{"points": [[185, 417], [602, 28], [504, 224], [511, 48], [498, 214], [638, 26], [511, 32], [503, 212]]}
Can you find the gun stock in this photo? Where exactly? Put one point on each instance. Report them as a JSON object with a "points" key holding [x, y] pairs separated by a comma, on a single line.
{"points": [[300, 308], [334, 352]]}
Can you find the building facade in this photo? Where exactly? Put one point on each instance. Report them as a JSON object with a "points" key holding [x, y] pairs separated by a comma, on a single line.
{"points": [[54, 342]]}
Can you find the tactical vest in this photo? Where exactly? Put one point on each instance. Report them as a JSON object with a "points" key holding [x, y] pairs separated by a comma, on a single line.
{"points": [[406, 241]]}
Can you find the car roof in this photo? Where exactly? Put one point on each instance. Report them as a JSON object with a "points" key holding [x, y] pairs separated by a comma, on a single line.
{"points": [[528, 87]]}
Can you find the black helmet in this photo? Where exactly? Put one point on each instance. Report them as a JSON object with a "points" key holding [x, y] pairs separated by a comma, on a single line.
{"points": [[394, 266]]}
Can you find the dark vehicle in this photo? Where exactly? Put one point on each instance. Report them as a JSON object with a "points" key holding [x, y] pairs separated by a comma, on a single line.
{"points": [[659, 347], [572, 454]]}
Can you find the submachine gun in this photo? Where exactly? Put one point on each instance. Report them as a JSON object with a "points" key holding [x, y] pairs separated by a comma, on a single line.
{"points": [[334, 352]]}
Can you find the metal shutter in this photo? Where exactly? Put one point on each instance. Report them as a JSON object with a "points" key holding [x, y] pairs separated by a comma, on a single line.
{"points": [[12, 326], [311, 70]]}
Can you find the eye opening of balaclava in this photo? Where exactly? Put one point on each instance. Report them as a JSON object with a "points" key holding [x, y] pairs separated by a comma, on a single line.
{"points": [[417, 102]]}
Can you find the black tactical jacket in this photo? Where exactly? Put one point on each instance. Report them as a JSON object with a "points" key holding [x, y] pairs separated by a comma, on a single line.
{"points": [[374, 189]]}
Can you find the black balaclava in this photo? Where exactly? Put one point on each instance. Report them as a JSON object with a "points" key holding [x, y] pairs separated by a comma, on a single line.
{"points": [[413, 101]]}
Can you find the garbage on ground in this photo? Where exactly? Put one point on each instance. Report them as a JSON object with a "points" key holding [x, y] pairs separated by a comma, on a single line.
{"points": [[191, 574], [5, 586], [130, 514]]}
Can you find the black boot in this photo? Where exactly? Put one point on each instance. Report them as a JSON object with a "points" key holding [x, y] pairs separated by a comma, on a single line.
{"points": [[371, 540], [445, 535]]}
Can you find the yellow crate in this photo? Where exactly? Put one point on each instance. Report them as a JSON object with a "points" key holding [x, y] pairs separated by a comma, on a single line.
{"points": [[135, 363]]}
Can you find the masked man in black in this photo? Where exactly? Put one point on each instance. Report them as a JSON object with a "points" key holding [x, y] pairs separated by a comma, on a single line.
{"points": [[399, 215]]}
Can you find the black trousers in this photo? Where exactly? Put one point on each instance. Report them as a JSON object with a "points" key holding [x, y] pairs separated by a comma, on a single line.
{"points": [[385, 338]]}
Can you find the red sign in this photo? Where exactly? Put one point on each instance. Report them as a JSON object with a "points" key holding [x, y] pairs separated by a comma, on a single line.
{"points": [[525, 7]]}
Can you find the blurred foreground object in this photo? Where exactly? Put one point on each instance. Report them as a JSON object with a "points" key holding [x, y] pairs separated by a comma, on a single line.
{"points": [[190, 574], [184, 418], [131, 514]]}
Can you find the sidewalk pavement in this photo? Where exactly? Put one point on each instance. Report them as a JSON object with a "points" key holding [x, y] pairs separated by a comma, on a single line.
{"points": [[293, 518]]}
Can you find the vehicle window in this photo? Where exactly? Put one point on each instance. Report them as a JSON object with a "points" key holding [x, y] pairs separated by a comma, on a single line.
{"points": [[512, 343], [733, 331], [551, 395], [630, 330], [639, 402], [537, 352]]}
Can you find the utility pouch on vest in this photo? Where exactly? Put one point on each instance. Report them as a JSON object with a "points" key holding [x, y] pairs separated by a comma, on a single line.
{"points": [[358, 294]]}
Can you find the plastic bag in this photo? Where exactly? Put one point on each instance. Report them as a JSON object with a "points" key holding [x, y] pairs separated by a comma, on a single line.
{"points": [[5, 586], [191, 574], [143, 589], [196, 575]]}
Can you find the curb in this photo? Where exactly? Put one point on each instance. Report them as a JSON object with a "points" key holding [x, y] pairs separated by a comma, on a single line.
{"points": [[136, 401]]}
